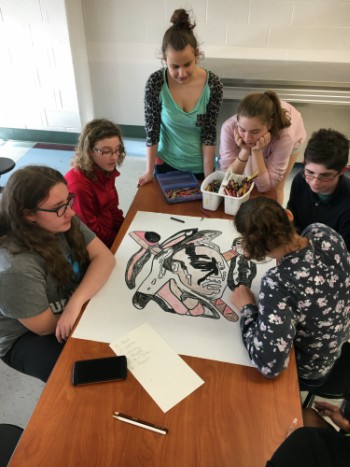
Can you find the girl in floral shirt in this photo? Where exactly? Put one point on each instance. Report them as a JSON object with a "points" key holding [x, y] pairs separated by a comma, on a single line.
{"points": [[304, 300]]}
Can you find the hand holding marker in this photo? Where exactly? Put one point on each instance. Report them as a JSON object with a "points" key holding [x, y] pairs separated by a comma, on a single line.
{"points": [[236, 189]]}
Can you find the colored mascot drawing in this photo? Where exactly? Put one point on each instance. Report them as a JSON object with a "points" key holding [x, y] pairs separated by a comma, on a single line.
{"points": [[188, 273]]}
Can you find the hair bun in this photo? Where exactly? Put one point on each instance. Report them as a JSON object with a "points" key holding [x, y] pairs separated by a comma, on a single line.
{"points": [[181, 19]]}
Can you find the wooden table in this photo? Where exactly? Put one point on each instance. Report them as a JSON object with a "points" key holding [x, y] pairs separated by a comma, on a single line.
{"points": [[237, 418]]}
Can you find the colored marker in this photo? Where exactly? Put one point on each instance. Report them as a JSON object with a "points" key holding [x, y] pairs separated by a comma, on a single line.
{"points": [[176, 219], [204, 212]]}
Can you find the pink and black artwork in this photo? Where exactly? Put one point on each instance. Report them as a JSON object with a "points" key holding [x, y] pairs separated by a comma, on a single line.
{"points": [[187, 274]]}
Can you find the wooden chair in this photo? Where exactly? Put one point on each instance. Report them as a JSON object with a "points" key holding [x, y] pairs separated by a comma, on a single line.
{"points": [[334, 387]]}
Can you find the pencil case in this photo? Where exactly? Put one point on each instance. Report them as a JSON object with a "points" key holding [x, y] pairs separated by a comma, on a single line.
{"points": [[179, 187]]}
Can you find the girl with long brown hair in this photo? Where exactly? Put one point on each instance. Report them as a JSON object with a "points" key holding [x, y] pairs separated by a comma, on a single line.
{"points": [[50, 266]]}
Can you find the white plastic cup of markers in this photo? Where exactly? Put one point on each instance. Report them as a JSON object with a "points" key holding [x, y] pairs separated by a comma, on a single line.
{"points": [[210, 199], [232, 203]]}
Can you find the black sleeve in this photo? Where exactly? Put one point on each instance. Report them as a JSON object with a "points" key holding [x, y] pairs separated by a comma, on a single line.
{"points": [[208, 135], [153, 107]]}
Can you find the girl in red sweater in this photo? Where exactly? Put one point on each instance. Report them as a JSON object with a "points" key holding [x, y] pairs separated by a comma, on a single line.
{"points": [[92, 179]]}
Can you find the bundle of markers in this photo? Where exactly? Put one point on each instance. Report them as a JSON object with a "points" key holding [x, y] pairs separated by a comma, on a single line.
{"points": [[213, 186], [181, 192], [238, 189]]}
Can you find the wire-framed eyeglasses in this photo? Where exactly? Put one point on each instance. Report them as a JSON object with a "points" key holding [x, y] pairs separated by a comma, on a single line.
{"points": [[108, 152], [323, 178], [61, 210]]}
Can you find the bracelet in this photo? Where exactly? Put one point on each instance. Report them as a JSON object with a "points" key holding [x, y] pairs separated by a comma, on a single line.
{"points": [[241, 159]]}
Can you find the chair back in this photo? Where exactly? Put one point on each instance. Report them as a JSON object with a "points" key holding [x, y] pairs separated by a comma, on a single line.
{"points": [[9, 437]]}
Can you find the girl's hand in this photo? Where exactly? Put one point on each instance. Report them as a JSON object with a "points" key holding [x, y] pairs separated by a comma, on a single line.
{"points": [[66, 323], [262, 142], [145, 178], [239, 141], [333, 412]]}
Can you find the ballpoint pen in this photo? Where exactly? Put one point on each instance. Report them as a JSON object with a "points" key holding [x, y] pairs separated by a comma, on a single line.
{"points": [[141, 423]]}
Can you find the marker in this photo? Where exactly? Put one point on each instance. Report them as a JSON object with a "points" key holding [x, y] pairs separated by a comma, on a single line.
{"points": [[204, 212], [176, 219], [141, 423]]}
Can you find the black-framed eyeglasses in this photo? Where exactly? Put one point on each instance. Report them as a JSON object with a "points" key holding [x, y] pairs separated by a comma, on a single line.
{"points": [[323, 178], [108, 152], [61, 210]]}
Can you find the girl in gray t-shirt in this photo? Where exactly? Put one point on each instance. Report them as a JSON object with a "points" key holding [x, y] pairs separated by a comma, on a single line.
{"points": [[50, 265]]}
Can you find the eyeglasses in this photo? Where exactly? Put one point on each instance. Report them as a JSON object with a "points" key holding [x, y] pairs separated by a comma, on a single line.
{"points": [[109, 152], [321, 178], [61, 210]]}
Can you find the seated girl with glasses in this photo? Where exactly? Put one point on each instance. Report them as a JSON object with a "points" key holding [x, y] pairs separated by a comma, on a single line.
{"points": [[51, 264], [321, 192], [92, 179], [265, 136], [303, 301]]}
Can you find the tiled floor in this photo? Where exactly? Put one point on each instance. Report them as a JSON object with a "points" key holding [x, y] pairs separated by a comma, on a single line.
{"points": [[19, 393]]}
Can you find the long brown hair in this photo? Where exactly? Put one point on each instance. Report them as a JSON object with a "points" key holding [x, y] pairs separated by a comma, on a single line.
{"points": [[267, 108], [264, 225], [94, 131], [24, 191]]}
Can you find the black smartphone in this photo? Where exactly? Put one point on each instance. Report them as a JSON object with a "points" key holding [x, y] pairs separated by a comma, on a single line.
{"points": [[99, 370]]}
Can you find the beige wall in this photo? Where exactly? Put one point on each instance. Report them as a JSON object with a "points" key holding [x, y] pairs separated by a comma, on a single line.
{"points": [[64, 62]]}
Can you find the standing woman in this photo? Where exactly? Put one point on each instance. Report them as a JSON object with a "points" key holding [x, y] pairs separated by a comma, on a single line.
{"points": [[50, 266], [182, 103], [92, 179], [264, 136]]}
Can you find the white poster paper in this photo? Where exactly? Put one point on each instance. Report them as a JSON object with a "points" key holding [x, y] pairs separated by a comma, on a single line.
{"points": [[177, 276]]}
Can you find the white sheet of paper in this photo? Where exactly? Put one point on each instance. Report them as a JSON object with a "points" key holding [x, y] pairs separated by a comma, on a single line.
{"points": [[156, 366]]}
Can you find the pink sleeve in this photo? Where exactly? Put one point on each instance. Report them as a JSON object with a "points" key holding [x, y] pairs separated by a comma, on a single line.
{"points": [[228, 147], [278, 152], [276, 161]]}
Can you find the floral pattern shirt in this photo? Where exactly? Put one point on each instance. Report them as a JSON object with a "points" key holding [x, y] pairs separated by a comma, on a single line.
{"points": [[304, 301]]}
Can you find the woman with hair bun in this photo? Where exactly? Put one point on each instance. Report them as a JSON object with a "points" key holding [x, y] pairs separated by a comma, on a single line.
{"points": [[264, 136], [182, 103]]}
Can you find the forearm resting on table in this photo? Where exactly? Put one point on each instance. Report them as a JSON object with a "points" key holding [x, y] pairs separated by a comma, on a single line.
{"points": [[102, 262], [238, 165], [42, 324], [258, 162], [101, 265]]}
